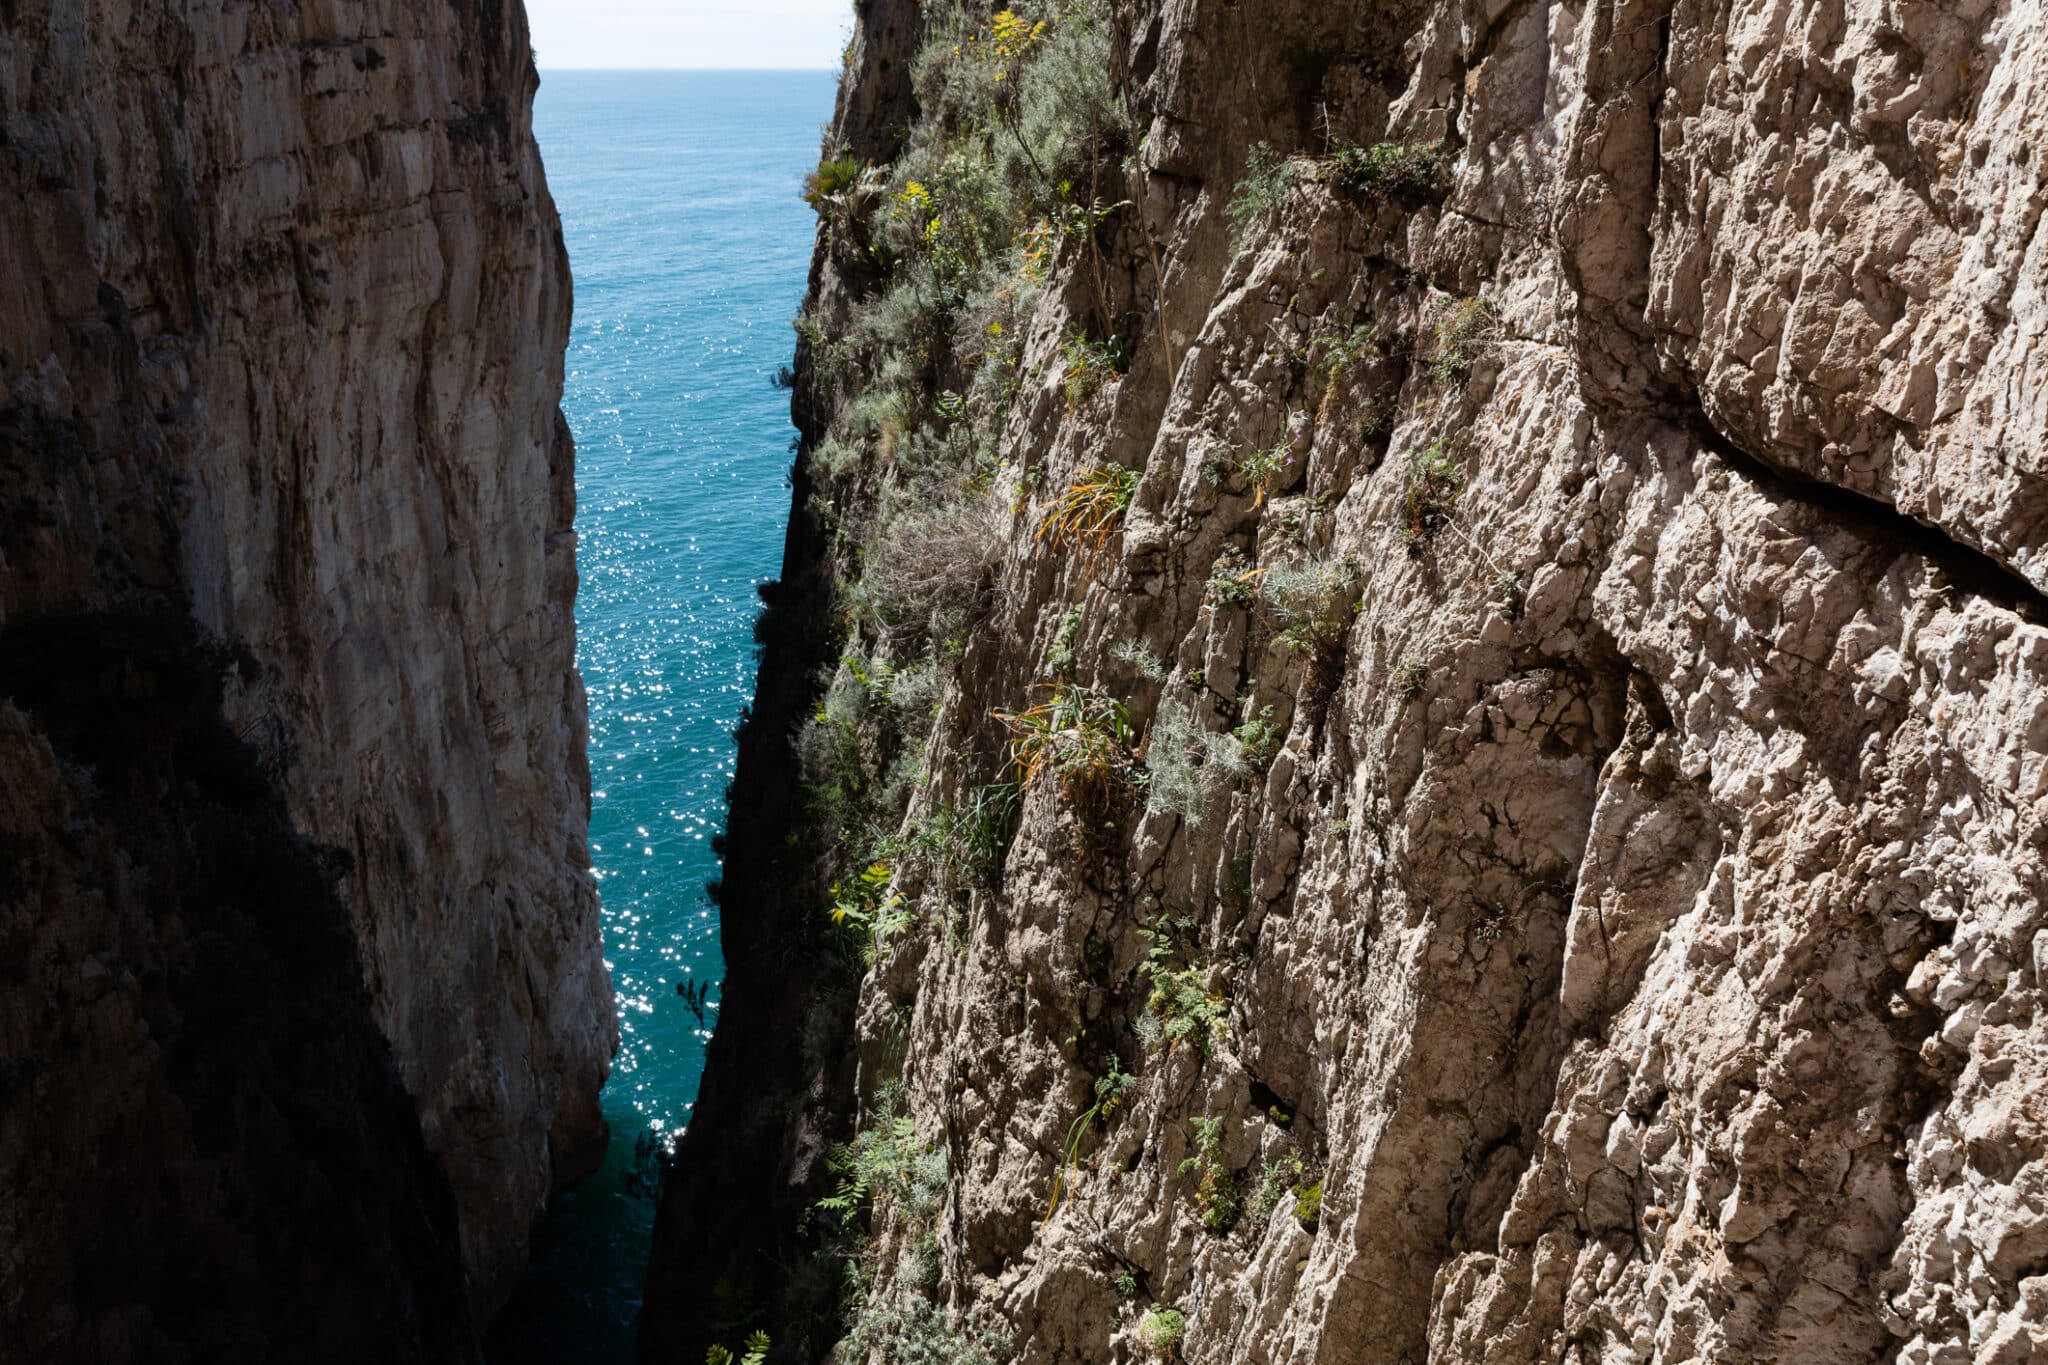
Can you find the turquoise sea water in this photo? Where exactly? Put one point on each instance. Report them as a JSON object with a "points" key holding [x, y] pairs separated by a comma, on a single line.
{"points": [[679, 194]]}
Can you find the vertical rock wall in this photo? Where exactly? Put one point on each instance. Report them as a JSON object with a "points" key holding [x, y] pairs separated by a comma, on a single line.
{"points": [[1590, 562], [283, 303]]}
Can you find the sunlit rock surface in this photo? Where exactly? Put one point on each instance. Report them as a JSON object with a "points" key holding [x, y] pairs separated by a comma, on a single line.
{"points": [[1639, 927]]}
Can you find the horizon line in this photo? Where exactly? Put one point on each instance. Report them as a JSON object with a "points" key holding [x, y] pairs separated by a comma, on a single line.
{"points": [[692, 70]]}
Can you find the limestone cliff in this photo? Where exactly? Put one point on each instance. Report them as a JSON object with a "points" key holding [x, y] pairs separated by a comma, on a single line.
{"points": [[1414, 646], [283, 303]]}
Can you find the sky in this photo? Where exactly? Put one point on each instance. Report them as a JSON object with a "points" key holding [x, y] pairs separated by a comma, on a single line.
{"points": [[581, 34]]}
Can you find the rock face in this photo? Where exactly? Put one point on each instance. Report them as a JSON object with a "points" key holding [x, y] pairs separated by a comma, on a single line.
{"points": [[1535, 848], [282, 312]]}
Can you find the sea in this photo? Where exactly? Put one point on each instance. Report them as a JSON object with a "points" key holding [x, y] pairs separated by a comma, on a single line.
{"points": [[680, 195]]}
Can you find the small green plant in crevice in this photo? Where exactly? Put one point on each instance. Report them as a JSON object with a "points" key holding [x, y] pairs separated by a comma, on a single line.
{"points": [[1462, 332], [1376, 417], [1508, 590], [1268, 180], [1277, 1179], [1125, 1284], [1336, 353], [756, 1352], [1080, 739], [1088, 366], [1413, 173], [1060, 661], [1410, 677], [1141, 659], [1232, 582], [1161, 1331], [1180, 1009], [1308, 1205], [1215, 1187], [1092, 506], [1112, 1089], [1430, 498], [1265, 470], [1261, 739], [868, 906]]}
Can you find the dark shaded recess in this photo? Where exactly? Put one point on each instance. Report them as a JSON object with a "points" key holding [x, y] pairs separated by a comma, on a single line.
{"points": [[727, 1227], [202, 1133]]}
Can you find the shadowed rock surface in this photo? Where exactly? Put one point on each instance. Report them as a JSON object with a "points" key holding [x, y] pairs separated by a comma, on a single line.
{"points": [[294, 778]]}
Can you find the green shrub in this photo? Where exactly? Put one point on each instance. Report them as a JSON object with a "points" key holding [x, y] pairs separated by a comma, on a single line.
{"points": [[1410, 677], [868, 907], [1265, 470], [1434, 483], [885, 1165], [1188, 764], [1411, 172], [1161, 1330], [1080, 739], [1312, 602], [1215, 1187], [756, 1352], [1268, 180], [1139, 657], [907, 1329]]}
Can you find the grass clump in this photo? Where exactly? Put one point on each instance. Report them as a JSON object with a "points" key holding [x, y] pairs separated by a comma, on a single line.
{"points": [[1080, 739], [1161, 1330], [1092, 506], [1412, 173], [1089, 365], [1111, 1088], [1268, 180], [828, 184], [1463, 331], [1430, 499], [1215, 1187]]}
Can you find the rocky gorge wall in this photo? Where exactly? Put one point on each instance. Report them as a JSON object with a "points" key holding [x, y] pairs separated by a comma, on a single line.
{"points": [[295, 794], [1406, 718]]}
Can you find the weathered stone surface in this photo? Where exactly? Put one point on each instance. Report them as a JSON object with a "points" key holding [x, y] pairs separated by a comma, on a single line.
{"points": [[1640, 928], [282, 311]]}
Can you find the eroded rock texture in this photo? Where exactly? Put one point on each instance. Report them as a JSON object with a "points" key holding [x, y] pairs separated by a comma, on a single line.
{"points": [[282, 310], [1633, 930]]}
